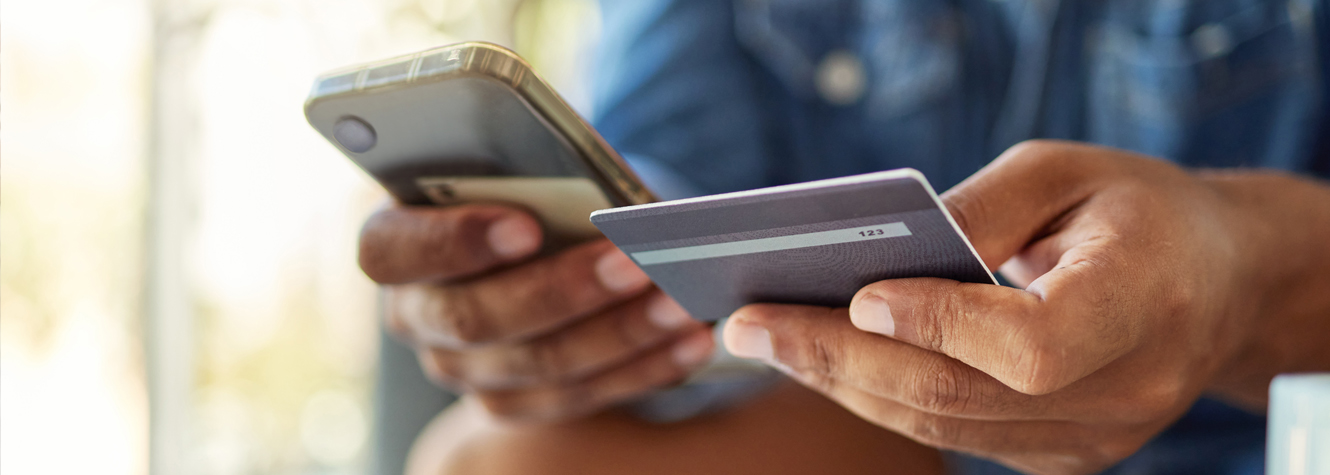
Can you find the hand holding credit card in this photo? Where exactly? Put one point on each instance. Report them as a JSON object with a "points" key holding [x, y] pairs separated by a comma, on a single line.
{"points": [[814, 243]]}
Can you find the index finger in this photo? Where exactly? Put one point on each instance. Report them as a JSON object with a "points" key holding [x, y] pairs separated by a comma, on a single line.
{"points": [[402, 244], [820, 346], [1035, 341], [518, 303]]}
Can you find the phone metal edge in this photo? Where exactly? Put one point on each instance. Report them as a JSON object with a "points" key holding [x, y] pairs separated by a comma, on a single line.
{"points": [[496, 62]]}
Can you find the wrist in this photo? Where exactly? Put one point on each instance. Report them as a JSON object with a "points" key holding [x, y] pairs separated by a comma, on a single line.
{"points": [[1279, 304]]}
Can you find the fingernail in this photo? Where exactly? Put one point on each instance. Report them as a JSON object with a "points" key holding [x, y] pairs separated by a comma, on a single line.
{"points": [[872, 314], [666, 314], [618, 273], [748, 341], [694, 350], [512, 237]]}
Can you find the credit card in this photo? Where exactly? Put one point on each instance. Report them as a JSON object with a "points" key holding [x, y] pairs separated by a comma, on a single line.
{"points": [[814, 243]]}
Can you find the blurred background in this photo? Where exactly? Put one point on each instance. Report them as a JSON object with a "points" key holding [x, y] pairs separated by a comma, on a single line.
{"points": [[178, 288]]}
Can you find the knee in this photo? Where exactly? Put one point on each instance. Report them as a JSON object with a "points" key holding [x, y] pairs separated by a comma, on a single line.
{"points": [[465, 440]]}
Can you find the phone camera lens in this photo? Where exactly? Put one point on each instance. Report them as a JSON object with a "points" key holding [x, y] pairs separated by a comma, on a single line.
{"points": [[354, 134]]}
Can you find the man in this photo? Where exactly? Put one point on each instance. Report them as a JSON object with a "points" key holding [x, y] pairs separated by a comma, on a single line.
{"points": [[1141, 286]]}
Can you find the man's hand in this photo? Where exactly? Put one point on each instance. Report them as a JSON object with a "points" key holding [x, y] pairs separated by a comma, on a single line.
{"points": [[1142, 287], [534, 338]]}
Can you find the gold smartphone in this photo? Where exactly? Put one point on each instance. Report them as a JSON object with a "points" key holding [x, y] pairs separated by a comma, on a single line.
{"points": [[473, 123]]}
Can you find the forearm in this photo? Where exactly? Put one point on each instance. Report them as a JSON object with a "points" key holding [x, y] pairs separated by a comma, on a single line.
{"points": [[1282, 230]]}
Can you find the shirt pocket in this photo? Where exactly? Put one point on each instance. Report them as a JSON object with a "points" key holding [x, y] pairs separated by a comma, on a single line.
{"points": [[1200, 81], [906, 53]]}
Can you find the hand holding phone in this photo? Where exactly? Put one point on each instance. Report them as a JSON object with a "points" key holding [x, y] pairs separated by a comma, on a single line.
{"points": [[488, 167], [534, 338]]}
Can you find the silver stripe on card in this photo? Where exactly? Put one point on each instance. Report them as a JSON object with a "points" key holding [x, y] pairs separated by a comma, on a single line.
{"points": [[781, 243]]}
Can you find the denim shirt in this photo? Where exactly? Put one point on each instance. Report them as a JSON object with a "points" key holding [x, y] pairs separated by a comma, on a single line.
{"points": [[707, 96]]}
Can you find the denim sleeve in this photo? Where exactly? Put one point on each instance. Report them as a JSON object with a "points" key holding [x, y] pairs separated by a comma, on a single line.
{"points": [[675, 92]]}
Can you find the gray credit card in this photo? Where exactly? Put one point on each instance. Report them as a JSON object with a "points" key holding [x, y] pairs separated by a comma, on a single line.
{"points": [[814, 243]]}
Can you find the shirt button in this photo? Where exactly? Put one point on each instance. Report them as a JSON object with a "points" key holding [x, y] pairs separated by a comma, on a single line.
{"points": [[1212, 40], [841, 79]]}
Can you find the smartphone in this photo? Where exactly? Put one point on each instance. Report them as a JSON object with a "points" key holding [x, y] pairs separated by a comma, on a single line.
{"points": [[473, 123]]}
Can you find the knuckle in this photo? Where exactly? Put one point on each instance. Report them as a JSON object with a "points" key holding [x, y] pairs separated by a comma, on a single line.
{"points": [[664, 372], [630, 331], [459, 317], [453, 230], [1035, 151], [564, 287], [440, 369], [451, 240], [1039, 368], [546, 360], [943, 389], [570, 400], [520, 363], [1039, 144], [934, 327], [1056, 156], [401, 243], [466, 327], [658, 370], [820, 357]]}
